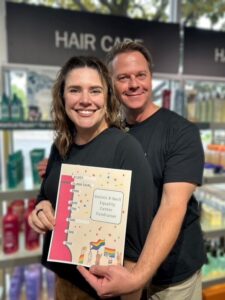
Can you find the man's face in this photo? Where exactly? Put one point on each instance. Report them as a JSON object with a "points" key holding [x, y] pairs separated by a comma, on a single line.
{"points": [[132, 80]]}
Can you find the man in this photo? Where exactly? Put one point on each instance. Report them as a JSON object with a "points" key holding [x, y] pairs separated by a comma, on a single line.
{"points": [[173, 253]]}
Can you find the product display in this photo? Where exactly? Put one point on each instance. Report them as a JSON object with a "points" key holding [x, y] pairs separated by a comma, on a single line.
{"points": [[16, 283], [26, 99], [215, 266], [206, 107], [28, 96], [166, 99], [11, 109], [32, 238], [18, 209], [212, 206], [36, 155], [15, 169], [31, 282], [215, 156], [5, 108], [15, 227], [179, 103], [10, 232], [16, 109]]}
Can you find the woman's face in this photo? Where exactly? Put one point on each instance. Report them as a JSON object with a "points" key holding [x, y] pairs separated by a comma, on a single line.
{"points": [[85, 101]]}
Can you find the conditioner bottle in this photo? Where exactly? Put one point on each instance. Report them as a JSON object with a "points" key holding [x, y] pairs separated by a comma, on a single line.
{"points": [[10, 232], [32, 238]]}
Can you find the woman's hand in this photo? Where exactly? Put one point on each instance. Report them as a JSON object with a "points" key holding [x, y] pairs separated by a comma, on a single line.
{"points": [[42, 217]]}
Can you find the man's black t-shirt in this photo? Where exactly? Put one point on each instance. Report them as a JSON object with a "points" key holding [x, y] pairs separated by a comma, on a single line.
{"points": [[173, 147], [111, 149]]}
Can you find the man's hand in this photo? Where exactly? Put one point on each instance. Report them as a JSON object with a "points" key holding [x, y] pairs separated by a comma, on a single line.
{"points": [[110, 281]]}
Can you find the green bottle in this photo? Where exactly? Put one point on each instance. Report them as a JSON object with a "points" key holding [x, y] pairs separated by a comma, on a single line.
{"points": [[12, 172], [5, 108], [16, 109]]}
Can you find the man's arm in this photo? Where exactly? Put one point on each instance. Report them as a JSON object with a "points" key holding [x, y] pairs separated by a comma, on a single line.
{"points": [[165, 228]]}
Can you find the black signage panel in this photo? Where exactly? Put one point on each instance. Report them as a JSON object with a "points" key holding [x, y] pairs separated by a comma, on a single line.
{"points": [[204, 52], [47, 36]]}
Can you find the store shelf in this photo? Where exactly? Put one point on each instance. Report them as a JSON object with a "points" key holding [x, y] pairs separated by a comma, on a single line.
{"points": [[19, 193], [22, 256], [210, 125], [209, 282], [26, 125], [215, 178], [213, 231]]}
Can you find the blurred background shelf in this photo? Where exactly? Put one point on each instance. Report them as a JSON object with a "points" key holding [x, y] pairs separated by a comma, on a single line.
{"points": [[22, 256], [26, 125], [214, 178], [25, 189], [209, 282]]}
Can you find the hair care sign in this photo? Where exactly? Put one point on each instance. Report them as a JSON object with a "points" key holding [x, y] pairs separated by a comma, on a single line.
{"points": [[204, 52], [48, 36]]}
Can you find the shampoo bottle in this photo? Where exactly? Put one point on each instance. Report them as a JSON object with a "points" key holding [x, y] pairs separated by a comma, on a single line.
{"points": [[5, 108], [32, 238], [10, 232]]}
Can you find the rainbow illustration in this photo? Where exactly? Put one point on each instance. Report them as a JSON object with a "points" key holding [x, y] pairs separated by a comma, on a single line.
{"points": [[109, 252], [81, 259], [97, 245]]}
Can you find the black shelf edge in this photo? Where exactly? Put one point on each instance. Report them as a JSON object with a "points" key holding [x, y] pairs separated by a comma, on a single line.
{"points": [[210, 125], [209, 282], [220, 178], [211, 233], [38, 125]]}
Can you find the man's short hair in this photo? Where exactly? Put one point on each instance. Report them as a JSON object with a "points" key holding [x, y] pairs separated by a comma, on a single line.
{"points": [[128, 46]]}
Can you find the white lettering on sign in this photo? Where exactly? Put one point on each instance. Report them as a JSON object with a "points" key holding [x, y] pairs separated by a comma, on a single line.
{"points": [[87, 41], [80, 41], [219, 55], [107, 42]]}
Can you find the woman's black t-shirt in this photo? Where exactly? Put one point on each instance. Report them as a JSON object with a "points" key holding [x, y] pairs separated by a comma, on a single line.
{"points": [[111, 149]]}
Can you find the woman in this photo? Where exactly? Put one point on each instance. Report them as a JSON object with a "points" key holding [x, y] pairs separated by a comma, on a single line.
{"points": [[86, 118]]}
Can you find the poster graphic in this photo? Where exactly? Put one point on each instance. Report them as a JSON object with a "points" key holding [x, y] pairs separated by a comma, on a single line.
{"points": [[91, 216]]}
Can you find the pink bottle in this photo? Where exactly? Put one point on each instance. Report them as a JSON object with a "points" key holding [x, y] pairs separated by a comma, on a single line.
{"points": [[10, 232], [32, 238], [166, 98], [18, 209]]}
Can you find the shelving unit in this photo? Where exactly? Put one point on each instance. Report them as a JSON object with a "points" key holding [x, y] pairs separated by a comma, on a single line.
{"points": [[215, 178], [211, 125], [25, 190], [210, 232], [26, 125], [28, 257], [209, 282], [18, 193], [14, 259], [22, 256], [213, 231]]}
